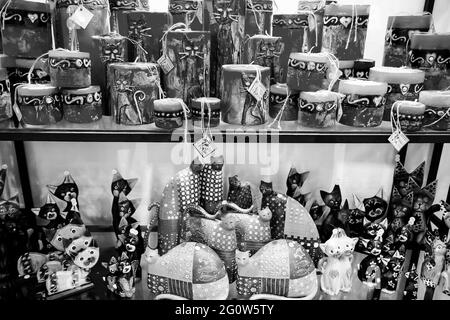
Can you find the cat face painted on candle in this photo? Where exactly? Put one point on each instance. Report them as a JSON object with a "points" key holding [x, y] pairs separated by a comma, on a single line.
{"points": [[194, 48], [225, 13]]}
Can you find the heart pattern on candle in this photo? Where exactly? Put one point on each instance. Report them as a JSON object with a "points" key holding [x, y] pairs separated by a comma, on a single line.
{"points": [[404, 88], [378, 101], [345, 21], [431, 58], [33, 17], [347, 73]]}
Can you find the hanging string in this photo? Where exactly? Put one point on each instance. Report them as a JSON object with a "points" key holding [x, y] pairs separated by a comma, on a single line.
{"points": [[395, 118], [280, 113], [351, 27], [311, 14], [52, 24], [446, 114], [177, 26], [154, 70], [356, 23], [30, 72], [257, 13], [186, 112], [204, 101], [334, 64], [3, 12]]}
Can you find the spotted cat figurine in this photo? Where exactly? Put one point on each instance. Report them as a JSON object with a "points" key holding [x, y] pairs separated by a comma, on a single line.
{"points": [[294, 185], [400, 210], [402, 177], [356, 218]]}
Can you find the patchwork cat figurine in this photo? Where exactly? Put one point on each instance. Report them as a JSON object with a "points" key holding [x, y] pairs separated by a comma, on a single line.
{"points": [[282, 269], [120, 278], [400, 210], [336, 267], [67, 191], [188, 271], [240, 193], [439, 219], [391, 274], [119, 185], [50, 215], [294, 185], [131, 243]]}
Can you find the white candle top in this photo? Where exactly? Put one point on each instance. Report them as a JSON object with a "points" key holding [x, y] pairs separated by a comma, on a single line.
{"points": [[396, 75], [279, 88], [244, 68], [167, 105], [68, 54], [320, 57], [91, 89], [346, 64], [320, 96], [362, 87], [409, 107], [263, 37], [434, 98], [31, 90]]}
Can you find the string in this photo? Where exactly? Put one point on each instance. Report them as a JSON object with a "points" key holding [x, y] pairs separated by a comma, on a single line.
{"points": [[52, 27], [186, 113], [395, 118], [3, 12], [311, 14], [255, 13], [204, 101], [177, 26], [356, 23], [446, 114], [351, 27], [36, 61], [280, 113], [152, 68], [334, 62]]}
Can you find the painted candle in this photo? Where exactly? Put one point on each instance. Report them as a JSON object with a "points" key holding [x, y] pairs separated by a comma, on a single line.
{"points": [[147, 28], [82, 105], [70, 69], [264, 51], [403, 84], [346, 67], [239, 106], [345, 30], [196, 109], [437, 112], [255, 17], [99, 25], [430, 52], [363, 105], [39, 104], [120, 9], [5, 96], [308, 71], [278, 94], [410, 114], [26, 31], [361, 68], [133, 88], [318, 109], [189, 12], [225, 38], [189, 52], [398, 36], [297, 35], [168, 113]]}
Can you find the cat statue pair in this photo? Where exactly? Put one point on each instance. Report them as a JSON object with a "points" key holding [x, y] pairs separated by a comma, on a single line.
{"points": [[121, 275]]}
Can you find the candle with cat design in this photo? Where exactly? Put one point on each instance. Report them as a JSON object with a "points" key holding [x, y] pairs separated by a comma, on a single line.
{"points": [[437, 113], [239, 106], [403, 84], [255, 17], [26, 30], [318, 109], [82, 105], [430, 52], [70, 69], [190, 12], [363, 104], [133, 88], [345, 30]]}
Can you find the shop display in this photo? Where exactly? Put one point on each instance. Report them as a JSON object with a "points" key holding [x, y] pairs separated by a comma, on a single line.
{"points": [[210, 116], [278, 94], [409, 114], [26, 29], [189, 270], [255, 17], [133, 88], [189, 54], [430, 52], [240, 103], [82, 105], [363, 105], [361, 68], [70, 69], [318, 109], [398, 37], [168, 113], [189, 12], [294, 183], [437, 113], [280, 269], [39, 104], [345, 30], [403, 84], [5, 96]]}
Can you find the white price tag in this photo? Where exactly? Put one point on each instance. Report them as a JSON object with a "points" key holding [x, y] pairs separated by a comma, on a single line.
{"points": [[17, 112], [398, 139], [257, 90], [205, 146], [82, 16], [165, 63]]}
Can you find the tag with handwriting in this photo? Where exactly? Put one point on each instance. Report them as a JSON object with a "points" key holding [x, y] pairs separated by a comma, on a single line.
{"points": [[205, 146], [257, 90], [82, 16], [165, 63], [398, 139]]}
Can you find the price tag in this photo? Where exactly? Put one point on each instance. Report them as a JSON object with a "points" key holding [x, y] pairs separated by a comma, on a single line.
{"points": [[82, 16], [205, 146], [17, 112], [398, 139], [165, 63], [257, 90]]}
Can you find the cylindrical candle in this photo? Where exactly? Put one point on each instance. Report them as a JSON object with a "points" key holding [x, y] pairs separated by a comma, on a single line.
{"points": [[318, 109], [111, 47], [278, 95], [308, 71], [403, 84], [430, 52], [265, 51], [133, 87], [363, 105], [362, 68], [410, 115], [437, 113], [168, 113], [238, 105], [5, 96], [82, 105], [196, 109], [70, 69], [398, 33], [346, 67], [39, 104]]}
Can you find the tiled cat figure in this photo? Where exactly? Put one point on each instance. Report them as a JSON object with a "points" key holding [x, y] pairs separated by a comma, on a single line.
{"points": [[119, 185], [282, 269]]}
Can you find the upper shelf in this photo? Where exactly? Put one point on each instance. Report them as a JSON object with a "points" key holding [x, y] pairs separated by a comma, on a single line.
{"points": [[106, 130]]}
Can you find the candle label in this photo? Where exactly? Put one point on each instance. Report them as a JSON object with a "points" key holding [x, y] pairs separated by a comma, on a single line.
{"points": [[409, 122], [307, 75], [437, 118], [70, 63], [290, 112], [205, 146], [166, 64], [82, 16], [189, 12], [257, 90], [398, 139], [362, 110]]}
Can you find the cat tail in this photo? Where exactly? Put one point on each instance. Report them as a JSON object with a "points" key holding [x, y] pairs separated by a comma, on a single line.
{"points": [[263, 296], [225, 204], [167, 296]]}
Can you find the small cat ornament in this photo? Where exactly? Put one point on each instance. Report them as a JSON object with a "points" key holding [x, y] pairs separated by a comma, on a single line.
{"points": [[294, 183], [336, 267], [120, 278], [67, 191], [119, 185]]}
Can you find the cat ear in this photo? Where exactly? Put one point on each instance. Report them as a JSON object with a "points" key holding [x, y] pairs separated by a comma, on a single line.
{"points": [[113, 260], [380, 193], [431, 189], [418, 173], [412, 184], [14, 199], [124, 256], [122, 197], [358, 203], [136, 202], [323, 247], [116, 176], [132, 182], [345, 206], [105, 265], [52, 188], [68, 178], [323, 194], [336, 189], [384, 223], [292, 171], [303, 177], [355, 241], [366, 221]]}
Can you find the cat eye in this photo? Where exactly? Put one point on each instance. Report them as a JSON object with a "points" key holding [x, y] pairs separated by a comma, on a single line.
{"points": [[86, 243], [74, 248], [91, 252], [73, 230]]}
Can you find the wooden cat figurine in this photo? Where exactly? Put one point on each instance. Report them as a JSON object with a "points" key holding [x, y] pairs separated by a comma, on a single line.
{"points": [[294, 185]]}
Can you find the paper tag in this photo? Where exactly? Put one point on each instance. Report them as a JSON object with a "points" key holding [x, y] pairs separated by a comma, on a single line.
{"points": [[165, 63], [398, 139], [82, 16], [257, 90], [17, 112], [205, 146]]}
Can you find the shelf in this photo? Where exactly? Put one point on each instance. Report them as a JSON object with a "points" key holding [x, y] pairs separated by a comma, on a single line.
{"points": [[106, 130]]}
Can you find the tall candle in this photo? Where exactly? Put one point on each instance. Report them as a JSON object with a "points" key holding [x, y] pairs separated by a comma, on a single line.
{"points": [[410, 115], [437, 112], [403, 84], [70, 69], [168, 113], [255, 17], [39, 104], [363, 105], [318, 109], [278, 95]]}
